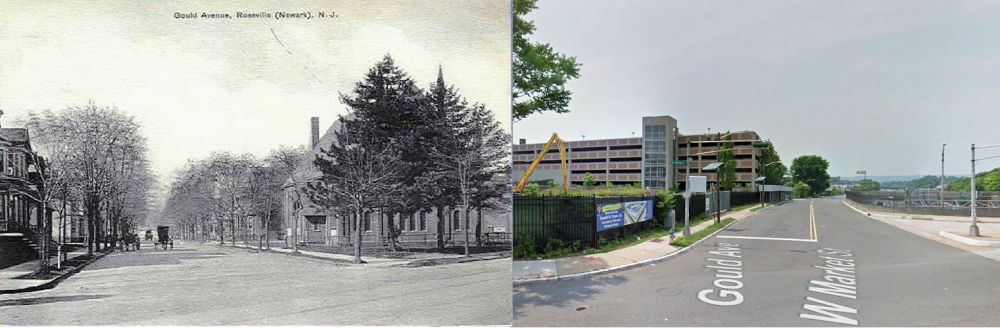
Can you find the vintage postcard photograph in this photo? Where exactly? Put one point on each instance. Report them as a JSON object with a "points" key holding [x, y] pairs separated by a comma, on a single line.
{"points": [[255, 163]]}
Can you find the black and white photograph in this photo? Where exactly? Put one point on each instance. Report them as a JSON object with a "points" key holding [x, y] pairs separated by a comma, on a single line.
{"points": [[195, 163]]}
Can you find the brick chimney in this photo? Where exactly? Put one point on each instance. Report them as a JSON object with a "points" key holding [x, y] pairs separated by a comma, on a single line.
{"points": [[314, 133], [522, 141]]}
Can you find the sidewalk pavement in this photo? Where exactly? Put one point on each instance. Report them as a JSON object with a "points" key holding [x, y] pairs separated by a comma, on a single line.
{"points": [[651, 251], [951, 230], [11, 280]]}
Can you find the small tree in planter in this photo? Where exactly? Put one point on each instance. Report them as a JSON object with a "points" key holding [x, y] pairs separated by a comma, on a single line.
{"points": [[666, 207]]}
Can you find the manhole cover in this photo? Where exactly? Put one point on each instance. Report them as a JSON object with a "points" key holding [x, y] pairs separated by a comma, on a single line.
{"points": [[580, 308]]}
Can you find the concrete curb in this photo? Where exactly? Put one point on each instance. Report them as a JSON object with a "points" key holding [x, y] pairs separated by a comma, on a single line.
{"points": [[55, 282], [626, 266], [400, 263], [967, 240]]}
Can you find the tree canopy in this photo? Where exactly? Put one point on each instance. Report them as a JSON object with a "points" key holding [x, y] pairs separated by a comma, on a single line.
{"points": [[811, 170], [770, 165], [540, 73]]}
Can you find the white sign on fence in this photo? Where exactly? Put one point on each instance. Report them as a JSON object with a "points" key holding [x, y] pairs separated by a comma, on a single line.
{"points": [[697, 183]]}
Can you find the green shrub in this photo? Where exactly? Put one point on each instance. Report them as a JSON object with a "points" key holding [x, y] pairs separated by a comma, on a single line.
{"points": [[553, 244], [525, 247], [531, 189]]}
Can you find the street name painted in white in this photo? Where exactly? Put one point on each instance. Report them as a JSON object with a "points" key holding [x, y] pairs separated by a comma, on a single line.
{"points": [[728, 273], [839, 279]]}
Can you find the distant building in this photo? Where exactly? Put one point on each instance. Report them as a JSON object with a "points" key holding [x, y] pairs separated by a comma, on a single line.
{"points": [[647, 161], [314, 222]]}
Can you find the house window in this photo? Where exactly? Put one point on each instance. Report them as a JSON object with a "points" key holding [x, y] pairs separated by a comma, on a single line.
{"points": [[456, 222], [402, 222], [315, 226], [423, 221], [9, 167], [413, 227], [368, 221]]}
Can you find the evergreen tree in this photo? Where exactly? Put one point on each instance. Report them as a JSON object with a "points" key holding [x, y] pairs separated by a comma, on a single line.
{"points": [[391, 107]]}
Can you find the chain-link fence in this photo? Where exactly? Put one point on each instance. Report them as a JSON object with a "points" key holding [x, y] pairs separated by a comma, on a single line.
{"points": [[932, 202]]}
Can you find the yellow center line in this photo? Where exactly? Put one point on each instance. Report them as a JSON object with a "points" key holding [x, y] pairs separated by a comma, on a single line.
{"points": [[812, 222]]}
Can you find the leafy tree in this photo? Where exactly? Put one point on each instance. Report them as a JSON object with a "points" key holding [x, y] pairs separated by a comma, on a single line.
{"points": [[811, 170], [801, 190], [588, 180], [540, 73], [985, 181], [727, 170], [770, 165], [866, 185]]}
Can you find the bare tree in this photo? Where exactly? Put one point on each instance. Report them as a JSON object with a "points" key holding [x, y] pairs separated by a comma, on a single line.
{"points": [[98, 152], [358, 169]]}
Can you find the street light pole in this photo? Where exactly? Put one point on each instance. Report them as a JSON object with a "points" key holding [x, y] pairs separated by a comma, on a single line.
{"points": [[941, 193], [974, 229]]}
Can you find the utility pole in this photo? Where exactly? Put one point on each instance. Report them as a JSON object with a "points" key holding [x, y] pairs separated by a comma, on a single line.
{"points": [[718, 181], [974, 229], [941, 193], [687, 198]]}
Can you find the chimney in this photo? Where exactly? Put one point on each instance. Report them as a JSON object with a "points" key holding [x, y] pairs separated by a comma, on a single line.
{"points": [[314, 134], [1, 113], [522, 141]]}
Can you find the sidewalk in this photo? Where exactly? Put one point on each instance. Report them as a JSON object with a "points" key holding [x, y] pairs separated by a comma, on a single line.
{"points": [[11, 280], [645, 253], [951, 230]]}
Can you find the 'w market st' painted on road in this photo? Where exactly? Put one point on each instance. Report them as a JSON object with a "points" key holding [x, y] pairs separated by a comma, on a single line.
{"points": [[839, 280]]}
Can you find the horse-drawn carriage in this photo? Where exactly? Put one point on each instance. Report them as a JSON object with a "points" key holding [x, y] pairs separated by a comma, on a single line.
{"points": [[163, 237]]}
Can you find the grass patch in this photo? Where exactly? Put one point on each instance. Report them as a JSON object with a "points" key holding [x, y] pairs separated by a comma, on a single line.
{"points": [[687, 241], [743, 207]]}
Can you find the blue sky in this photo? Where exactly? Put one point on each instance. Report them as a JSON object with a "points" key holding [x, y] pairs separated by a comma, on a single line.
{"points": [[874, 85]]}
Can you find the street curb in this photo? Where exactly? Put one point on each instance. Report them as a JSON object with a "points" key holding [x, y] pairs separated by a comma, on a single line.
{"points": [[55, 282], [626, 266], [967, 240], [402, 263]]}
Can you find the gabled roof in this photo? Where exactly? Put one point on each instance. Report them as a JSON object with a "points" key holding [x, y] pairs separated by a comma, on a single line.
{"points": [[15, 136], [307, 171]]}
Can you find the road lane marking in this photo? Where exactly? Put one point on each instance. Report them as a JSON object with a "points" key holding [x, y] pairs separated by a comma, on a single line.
{"points": [[813, 237], [767, 238], [812, 222]]}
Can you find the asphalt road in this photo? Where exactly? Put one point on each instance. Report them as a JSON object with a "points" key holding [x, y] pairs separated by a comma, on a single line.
{"points": [[856, 271], [212, 285]]}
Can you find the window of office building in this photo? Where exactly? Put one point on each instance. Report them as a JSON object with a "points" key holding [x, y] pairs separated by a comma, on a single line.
{"points": [[655, 156]]}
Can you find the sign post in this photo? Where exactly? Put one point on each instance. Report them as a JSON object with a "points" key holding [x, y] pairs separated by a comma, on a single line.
{"points": [[694, 184]]}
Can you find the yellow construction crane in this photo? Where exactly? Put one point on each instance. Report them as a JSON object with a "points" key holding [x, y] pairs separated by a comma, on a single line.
{"points": [[548, 145]]}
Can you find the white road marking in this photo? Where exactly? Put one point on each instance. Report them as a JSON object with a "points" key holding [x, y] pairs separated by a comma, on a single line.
{"points": [[767, 238], [813, 237]]}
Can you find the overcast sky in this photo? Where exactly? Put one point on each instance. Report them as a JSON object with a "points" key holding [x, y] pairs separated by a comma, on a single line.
{"points": [[875, 85], [201, 85]]}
